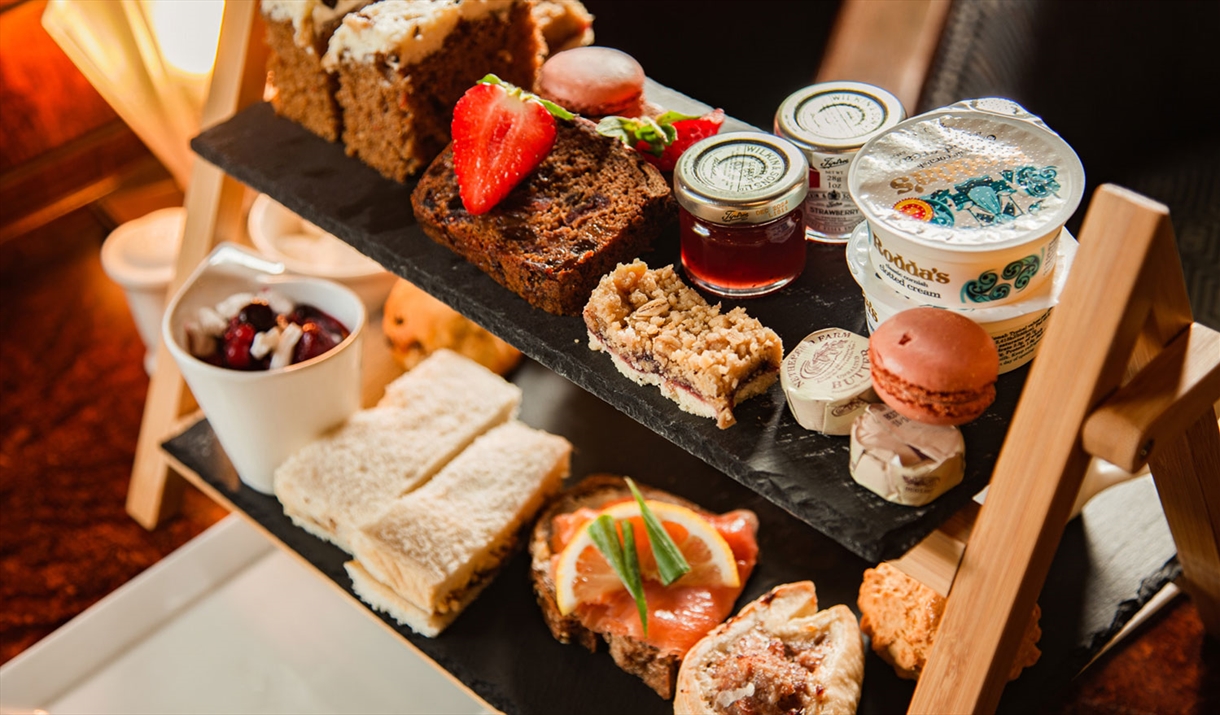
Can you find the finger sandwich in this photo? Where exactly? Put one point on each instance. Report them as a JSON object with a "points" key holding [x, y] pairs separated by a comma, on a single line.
{"points": [[427, 417], [431, 552]]}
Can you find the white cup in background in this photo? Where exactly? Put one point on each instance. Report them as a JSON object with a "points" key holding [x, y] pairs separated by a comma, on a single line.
{"points": [[303, 248], [263, 417], [139, 255]]}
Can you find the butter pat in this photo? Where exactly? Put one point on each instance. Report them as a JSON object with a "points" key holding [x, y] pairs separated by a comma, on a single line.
{"points": [[904, 461], [827, 381]]}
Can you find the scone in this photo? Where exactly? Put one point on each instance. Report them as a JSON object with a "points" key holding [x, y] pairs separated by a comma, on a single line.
{"points": [[417, 325], [901, 615], [779, 654]]}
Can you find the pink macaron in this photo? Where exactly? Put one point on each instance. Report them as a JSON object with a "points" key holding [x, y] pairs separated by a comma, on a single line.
{"points": [[934, 366], [594, 82]]}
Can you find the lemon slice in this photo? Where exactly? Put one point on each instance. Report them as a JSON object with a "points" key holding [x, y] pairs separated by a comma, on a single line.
{"points": [[583, 575]]}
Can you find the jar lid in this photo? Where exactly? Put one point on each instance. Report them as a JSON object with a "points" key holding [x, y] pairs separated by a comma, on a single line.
{"points": [[981, 174], [741, 177], [837, 116]]}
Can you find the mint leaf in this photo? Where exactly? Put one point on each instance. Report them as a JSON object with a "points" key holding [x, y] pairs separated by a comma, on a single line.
{"points": [[656, 133], [668, 118], [619, 128]]}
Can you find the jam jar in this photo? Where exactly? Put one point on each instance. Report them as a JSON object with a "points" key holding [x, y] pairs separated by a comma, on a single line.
{"points": [[830, 122], [741, 223]]}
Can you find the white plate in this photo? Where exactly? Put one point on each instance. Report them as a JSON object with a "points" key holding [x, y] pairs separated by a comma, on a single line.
{"points": [[226, 624]]}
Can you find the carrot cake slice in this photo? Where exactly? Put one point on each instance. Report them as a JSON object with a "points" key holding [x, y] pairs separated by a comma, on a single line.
{"points": [[403, 65], [659, 331], [298, 33]]}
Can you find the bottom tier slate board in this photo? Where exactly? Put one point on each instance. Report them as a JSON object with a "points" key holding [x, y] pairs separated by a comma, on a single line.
{"points": [[1112, 560]]}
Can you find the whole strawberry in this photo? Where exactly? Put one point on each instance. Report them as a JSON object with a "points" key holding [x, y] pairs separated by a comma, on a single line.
{"points": [[500, 134], [662, 140]]}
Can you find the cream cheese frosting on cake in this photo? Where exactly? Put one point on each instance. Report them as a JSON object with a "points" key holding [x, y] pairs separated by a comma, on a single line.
{"points": [[307, 16], [402, 65], [403, 31]]}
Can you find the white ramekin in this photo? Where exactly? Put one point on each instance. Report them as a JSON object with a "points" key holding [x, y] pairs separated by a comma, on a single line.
{"points": [[262, 417], [1017, 328], [966, 203]]}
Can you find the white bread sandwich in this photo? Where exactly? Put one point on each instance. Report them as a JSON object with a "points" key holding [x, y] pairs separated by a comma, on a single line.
{"points": [[432, 551], [583, 601], [346, 478], [780, 654]]}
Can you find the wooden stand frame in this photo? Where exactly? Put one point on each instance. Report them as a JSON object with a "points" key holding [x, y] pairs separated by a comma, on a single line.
{"points": [[1123, 374], [213, 214]]}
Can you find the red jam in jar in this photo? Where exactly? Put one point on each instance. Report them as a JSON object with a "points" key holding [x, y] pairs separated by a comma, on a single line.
{"points": [[744, 259], [742, 225]]}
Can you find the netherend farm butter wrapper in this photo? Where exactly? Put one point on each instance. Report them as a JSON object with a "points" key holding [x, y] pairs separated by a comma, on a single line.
{"points": [[827, 380], [905, 461]]}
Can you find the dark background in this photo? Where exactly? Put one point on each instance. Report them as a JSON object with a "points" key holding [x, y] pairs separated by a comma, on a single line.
{"points": [[743, 57], [1133, 86]]}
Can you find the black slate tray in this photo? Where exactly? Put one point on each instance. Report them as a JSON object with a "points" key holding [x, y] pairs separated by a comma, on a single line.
{"points": [[802, 472], [1110, 562]]}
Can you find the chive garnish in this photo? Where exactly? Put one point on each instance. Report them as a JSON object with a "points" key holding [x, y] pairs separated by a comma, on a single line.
{"points": [[624, 559], [671, 565], [631, 560], [625, 562]]}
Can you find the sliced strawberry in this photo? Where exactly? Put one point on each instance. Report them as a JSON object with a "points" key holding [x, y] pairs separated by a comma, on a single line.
{"points": [[500, 135], [689, 131]]}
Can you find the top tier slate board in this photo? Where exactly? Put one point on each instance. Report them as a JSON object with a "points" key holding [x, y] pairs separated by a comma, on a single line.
{"points": [[803, 472]]}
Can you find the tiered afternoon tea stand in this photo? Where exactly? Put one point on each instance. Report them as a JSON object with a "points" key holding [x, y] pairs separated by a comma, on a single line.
{"points": [[1123, 374]]}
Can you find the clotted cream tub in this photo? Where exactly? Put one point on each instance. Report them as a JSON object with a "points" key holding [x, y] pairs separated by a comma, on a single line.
{"points": [[1017, 328], [966, 203]]}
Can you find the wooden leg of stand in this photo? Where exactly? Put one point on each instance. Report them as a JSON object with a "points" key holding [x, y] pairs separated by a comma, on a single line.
{"points": [[154, 493], [213, 210], [213, 214], [1187, 476], [1083, 357]]}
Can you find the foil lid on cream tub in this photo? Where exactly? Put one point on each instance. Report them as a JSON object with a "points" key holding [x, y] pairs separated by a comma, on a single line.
{"points": [[966, 202], [827, 381], [904, 461]]}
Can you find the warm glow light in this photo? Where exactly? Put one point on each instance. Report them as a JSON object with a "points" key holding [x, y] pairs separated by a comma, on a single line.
{"points": [[187, 32], [151, 60]]}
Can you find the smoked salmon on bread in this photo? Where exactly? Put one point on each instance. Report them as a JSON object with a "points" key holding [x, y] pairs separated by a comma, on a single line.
{"points": [[693, 604]]}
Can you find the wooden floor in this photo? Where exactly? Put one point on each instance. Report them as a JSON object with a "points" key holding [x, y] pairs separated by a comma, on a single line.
{"points": [[73, 392]]}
